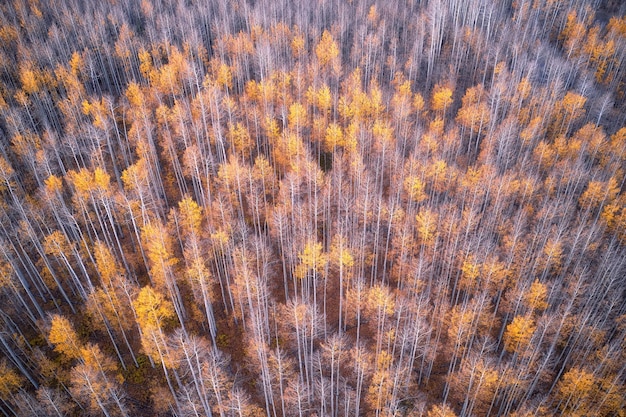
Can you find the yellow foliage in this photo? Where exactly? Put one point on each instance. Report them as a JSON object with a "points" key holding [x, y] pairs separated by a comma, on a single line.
{"points": [[327, 51], [552, 253], [610, 213], [311, 258], [287, 151], [158, 247], [145, 65], [86, 107], [523, 88], [518, 334], [136, 176], [460, 319], [105, 263], [8, 34], [401, 100], [152, 309], [92, 356], [426, 225], [573, 33], [618, 144], [599, 193], [380, 299], [418, 102], [9, 380], [108, 305], [220, 237], [82, 181], [252, 90], [479, 380], [323, 98], [375, 105], [190, 216], [56, 244], [439, 175], [372, 15], [30, 80], [350, 137], [383, 134], [6, 274], [441, 411], [573, 104], [333, 137], [101, 179], [198, 272], [340, 254], [474, 112], [53, 184], [442, 98], [263, 172], [239, 45], [63, 337], [536, 297], [77, 63], [272, 130], [379, 390], [414, 188], [297, 45], [223, 76], [384, 360], [135, 95], [21, 98], [297, 116], [544, 154], [574, 390], [470, 272]]}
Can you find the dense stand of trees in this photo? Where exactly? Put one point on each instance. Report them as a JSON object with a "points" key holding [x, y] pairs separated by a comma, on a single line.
{"points": [[340, 208]]}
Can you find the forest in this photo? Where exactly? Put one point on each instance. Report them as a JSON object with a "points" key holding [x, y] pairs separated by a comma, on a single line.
{"points": [[325, 208]]}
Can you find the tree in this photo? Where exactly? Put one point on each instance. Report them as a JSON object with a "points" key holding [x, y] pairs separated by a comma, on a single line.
{"points": [[312, 261], [153, 312], [297, 116], [380, 306], [518, 334], [474, 114], [64, 338], [9, 380], [574, 390], [415, 189], [136, 181], [158, 248], [567, 112], [380, 387], [341, 256], [441, 411], [198, 274], [111, 303], [475, 384], [240, 139], [204, 368], [327, 52], [58, 245], [426, 226], [599, 193], [54, 402], [334, 137], [93, 382], [241, 405], [441, 99], [536, 296]]}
